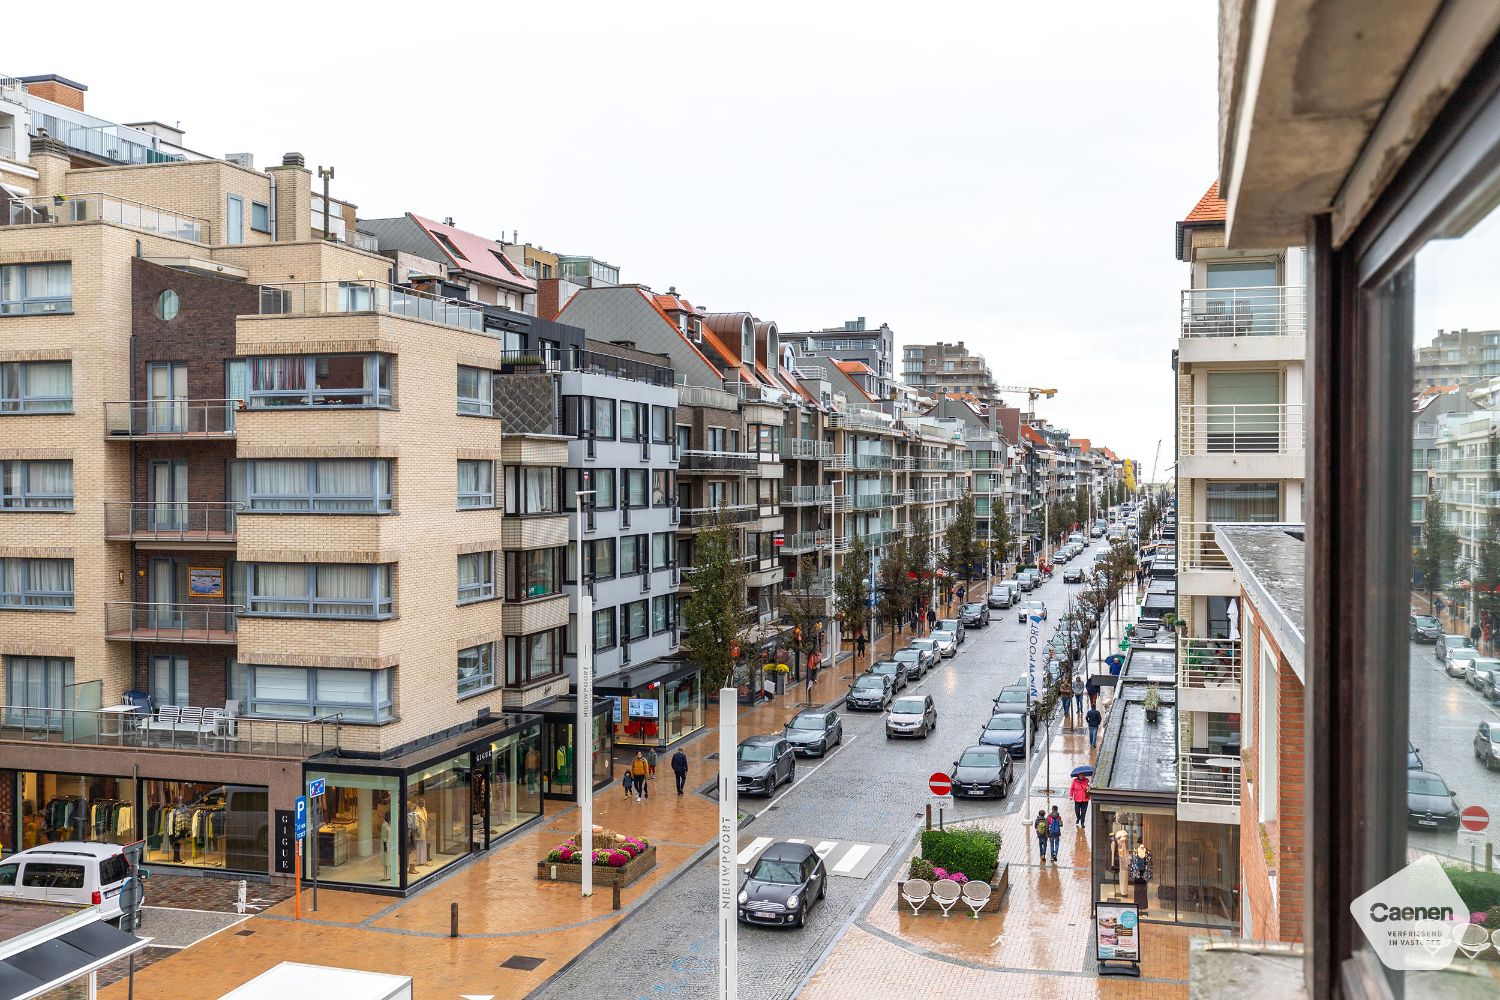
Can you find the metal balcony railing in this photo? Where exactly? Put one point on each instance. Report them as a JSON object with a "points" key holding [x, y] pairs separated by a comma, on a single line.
{"points": [[170, 522], [706, 517], [1266, 311], [1489, 464], [698, 395], [875, 501], [171, 418], [147, 622], [98, 207], [809, 448], [860, 420], [1243, 429], [290, 738], [1207, 778], [799, 496], [806, 541], [1208, 663], [317, 298], [1197, 549], [703, 460]]}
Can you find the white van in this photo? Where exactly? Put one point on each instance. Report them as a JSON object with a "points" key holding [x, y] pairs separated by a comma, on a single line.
{"points": [[71, 872]]}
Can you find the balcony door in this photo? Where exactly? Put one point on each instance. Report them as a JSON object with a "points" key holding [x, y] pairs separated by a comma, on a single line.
{"points": [[1244, 412], [166, 590], [1243, 293], [168, 502], [167, 389]]}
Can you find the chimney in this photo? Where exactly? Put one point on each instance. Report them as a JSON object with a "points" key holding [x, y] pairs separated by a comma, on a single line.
{"points": [[448, 220], [293, 199], [57, 89]]}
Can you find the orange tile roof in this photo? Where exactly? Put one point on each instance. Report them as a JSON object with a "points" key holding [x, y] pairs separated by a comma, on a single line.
{"points": [[854, 367], [1210, 208]]}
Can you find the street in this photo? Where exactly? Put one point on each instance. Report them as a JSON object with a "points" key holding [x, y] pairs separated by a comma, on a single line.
{"points": [[870, 791]]}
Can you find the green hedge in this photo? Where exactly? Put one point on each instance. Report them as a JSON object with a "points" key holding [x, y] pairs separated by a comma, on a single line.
{"points": [[1480, 890], [973, 852]]}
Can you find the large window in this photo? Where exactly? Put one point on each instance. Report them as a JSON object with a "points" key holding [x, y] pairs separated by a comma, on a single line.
{"points": [[663, 418], [36, 387], [327, 380], [476, 484], [632, 420], [601, 481], [36, 682], [531, 490], [634, 554], [476, 391], [316, 590], [476, 669], [476, 577], [634, 620], [36, 485], [636, 492], [598, 560], [1243, 501], [531, 658], [663, 615], [663, 546], [169, 680], [663, 487], [324, 485], [587, 416], [533, 574], [28, 289], [36, 584], [604, 629], [309, 692]]}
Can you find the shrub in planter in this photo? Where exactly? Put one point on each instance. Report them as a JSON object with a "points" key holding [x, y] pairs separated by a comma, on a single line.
{"points": [[921, 868], [971, 852], [1480, 890]]}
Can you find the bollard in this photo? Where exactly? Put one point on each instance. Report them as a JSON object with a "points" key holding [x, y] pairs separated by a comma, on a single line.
{"points": [[453, 920], [1489, 857], [616, 895], [929, 815]]}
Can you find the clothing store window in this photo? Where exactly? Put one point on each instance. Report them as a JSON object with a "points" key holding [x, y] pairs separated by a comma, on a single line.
{"points": [[559, 763], [56, 807], [510, 782], [437, 816], [356, 841], [201, 825]]}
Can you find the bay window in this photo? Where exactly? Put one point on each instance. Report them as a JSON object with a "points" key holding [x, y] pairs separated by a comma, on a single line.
{"points": [[530, 574], [532, 658], [332, 380], [313, 692], [316, 590], [324, 485], [530, 491]]}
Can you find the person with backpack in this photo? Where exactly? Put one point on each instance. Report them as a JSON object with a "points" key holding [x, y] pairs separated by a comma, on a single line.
{"points": [[1054, 831], [859, 646], [1042, 828]]}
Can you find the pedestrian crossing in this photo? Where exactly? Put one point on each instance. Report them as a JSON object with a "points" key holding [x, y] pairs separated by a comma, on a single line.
{"points": [[845, 858]]}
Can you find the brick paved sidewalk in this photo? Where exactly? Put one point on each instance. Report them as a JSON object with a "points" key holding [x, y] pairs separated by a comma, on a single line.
{"points": [[505, 913]]}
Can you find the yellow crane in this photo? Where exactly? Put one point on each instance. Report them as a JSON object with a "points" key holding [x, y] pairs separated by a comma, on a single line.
{"points": [[1032, 394]]}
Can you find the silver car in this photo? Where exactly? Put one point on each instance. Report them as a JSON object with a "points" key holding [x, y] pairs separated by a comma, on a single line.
{"points": [[1456, 665], [927, 647], [945, 641], [911, 715]]}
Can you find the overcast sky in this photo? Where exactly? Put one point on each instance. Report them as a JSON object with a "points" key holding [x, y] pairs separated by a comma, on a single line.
{"points": [[1004, 174]]}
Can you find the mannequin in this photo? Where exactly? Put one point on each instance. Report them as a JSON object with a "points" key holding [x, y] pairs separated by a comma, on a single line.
{"points": [[1141, 872], [416, 826], [1122, 859]]}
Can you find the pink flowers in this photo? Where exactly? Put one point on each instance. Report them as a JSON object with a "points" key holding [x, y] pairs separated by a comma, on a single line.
{"points": [[1478, 918], [958, 877], [624, 849]]}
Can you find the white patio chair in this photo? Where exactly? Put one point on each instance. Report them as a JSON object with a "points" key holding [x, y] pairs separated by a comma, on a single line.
{"points": [[946, 894], [916, 891], [976, 895]]}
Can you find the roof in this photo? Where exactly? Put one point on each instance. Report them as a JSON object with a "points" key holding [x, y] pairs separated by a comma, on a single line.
{"points": [[854, 367], [1211, 210], [474, 254], [1268, 559], [784, 851], [43, 958]]}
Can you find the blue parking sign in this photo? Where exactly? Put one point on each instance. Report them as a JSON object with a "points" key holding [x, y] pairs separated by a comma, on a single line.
{"points": [[301, 818]]}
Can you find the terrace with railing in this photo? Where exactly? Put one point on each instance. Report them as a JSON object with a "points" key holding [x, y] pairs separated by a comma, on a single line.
{"points": [[170, 418], [707, 517], [708, 460], [205, 523], [1208, 663], [138, 621], [1243, 429], [1197, 549], [802, 496], [1267, 311], [219, 734], [809, 448], [806, 541], [97, 207], [318, 298], [697, 395], [1208, 778]]}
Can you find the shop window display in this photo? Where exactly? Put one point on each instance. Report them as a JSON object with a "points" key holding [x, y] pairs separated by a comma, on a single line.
{"points": [[682, 706], [512, 788], [357, 842], [201, 825], [438, 816], [76, 807], [560, 779]]}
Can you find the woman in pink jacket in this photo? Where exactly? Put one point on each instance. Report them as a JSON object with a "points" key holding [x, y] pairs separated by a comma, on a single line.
{"points": [[1079, 793]]}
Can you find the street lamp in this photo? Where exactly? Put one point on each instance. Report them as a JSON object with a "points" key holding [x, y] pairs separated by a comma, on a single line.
{"points": [[583, 728]]}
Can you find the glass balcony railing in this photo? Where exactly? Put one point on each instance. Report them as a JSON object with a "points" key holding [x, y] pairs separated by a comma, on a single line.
{"points": [[98, 138], [202, 522], [212, 731], [148, 622], [317, 298], [97, 207], [170, 418]]}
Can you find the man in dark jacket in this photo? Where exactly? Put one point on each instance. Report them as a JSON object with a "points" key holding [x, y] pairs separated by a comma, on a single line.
{"points": [[679, 769], [1092, 719]]}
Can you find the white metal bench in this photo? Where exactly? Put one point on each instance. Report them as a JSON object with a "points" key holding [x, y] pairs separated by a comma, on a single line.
{"points": [[916, 892]]}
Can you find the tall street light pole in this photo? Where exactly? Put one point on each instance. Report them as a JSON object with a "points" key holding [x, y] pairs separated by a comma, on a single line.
{"points": [[583, 727]]}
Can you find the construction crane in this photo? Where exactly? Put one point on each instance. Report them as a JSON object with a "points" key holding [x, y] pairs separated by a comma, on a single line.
{"points": [[1032, 394]]}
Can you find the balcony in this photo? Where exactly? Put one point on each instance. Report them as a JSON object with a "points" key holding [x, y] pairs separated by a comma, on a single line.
{"points": [[706, 517], [595, 363], [1202, 566], [255, 737], [170, 419], [175, 525], [1205, 778], [862, 420], [875, 501], [94, 136], [845, 461], [1267, 311], [809, 448], [318, 298], [928, 463], [132, 621], [701, 460], [806, 541], [697, 395], [1231, 440], [1208, 674], [97, 207], [804, 496]]}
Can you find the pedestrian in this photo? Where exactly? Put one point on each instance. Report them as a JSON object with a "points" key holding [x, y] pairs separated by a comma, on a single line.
{"points": [[627, 780], [679, 769], [1065, 691], [1041, 826], [962, 593], [916, 622], [640, 771], [1092, 719], [931, 618], [1093, 690], [1054, 831], [1077, 699], [1474, 633], [651, 760], [859, 646], [1079, 793]]}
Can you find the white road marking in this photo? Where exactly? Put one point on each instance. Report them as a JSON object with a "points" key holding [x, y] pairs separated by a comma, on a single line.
{"points": [[823, 848], [756, 846], [849, 860], [794, 840]]}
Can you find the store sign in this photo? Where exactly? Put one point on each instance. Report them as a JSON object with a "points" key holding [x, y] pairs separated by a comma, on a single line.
{"points": [[285, 842], [1117, 932], [643, 708]]}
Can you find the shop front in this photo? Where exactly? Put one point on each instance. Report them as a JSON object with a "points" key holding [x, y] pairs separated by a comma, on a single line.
{"points": [[656, 705], [391, 823], [560, 724]]}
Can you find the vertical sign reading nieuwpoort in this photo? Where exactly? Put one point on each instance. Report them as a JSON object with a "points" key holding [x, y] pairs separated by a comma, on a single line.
{"points": [[729, 820]]}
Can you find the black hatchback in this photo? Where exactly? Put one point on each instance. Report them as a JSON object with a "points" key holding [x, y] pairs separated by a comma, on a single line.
{"points": [[814, 733], [785, 884], [981, 772]]}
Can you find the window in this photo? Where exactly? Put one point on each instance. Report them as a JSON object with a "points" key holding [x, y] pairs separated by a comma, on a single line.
{"points": [[29, 289], [718, 439], [476, 391], [317, 590], [604, 419], [661, 614], [534, 573], [36, 485], [633, 554], [662, 420], [234, 220], [635, 494], [36, 682], [531, 490], [476, 669], [36, 584], [476, 484], [633, 620], [36, 387], [311, 692], [632, 423], [604, 629], [663, 488], [598, 559], [167, 306], [531, 658], [601, 481], [302, 380], [52, 875], [476, 577], [1235, 501], [324, 485], [169, 680], [260, 217]]}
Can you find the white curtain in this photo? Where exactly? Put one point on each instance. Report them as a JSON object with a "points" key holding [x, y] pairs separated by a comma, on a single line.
{"points": [[629, 428], [345, 484], [542, 651], [349, 584], [52, 576], [278, 484], [51, 478], [343, 687], [474, 577], [474, 480], [541, 490], [279, 588], [52, 379]]}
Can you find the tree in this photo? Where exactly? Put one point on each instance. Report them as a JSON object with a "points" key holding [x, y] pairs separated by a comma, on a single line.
{"points": [[919, 562], [711, 616], [960, 548], [892, 601], [851, 587], [1002, 539], [799, 607], [1439, 548], [1486, 577]]}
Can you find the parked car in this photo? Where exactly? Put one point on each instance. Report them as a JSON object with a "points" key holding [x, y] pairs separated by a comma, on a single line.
{"points": [[1413, 757], [913, 661], [894, 669], [1487, 745], [1430, 803], [1001, 596], [1073, 574], [1476, 669], [1028, 608], [1076, 538], [814, 733], [945, 641], [911, 715], [1489, 685], [1425, 628], [981, 772], [1445, 643], [763, 762], [1456, 663], [871, 692], [928, 646], [68, 871], [1007, 731], [1062, 555], [954, 625], [785, 884], [974, 615], [1027, 581]]}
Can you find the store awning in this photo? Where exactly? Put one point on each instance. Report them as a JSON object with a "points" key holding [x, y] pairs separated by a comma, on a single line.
{"points": [[627, 682], [40, 961]]}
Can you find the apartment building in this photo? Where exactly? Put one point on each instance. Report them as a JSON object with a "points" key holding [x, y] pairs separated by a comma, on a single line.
{"points": [[1460, 357], [1429, 473], [854, 341], [942, 368]]}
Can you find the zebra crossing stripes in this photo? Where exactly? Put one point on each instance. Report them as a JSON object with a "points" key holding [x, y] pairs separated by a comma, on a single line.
{"points": [[845, 858]]}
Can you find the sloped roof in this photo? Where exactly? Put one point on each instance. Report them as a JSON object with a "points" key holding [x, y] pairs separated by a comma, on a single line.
{"points": [[854, 367], [474, 254], [1211, 210]]}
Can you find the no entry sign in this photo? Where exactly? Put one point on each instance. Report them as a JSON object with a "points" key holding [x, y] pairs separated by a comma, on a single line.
{"points": [[940, 784], [1474, 818]]}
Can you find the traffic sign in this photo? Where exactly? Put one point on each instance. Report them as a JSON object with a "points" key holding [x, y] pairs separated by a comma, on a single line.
{"points": [[316, 787], [301, 817], [941, 802], [940, 784], [1474, 840], [1474, 818]]}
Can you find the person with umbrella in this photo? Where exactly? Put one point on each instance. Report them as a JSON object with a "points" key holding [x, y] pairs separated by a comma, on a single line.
{"points": [[1079, 792]]}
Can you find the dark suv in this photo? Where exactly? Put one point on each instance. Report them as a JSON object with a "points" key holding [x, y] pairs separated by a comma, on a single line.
{"points": [[974, 615], [762, 763]]}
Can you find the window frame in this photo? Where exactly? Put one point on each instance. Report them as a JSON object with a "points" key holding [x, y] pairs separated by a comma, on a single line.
{"points": [[27, 494], [379, 596], [381, 706], [478, 499], [234, 220], [520, 656], [477, 406], [515, 489], [380, 497], [605, 616], [379, 390], [61, 305], [265, 211], [520, 572], [25, 598], [486, 589], [485, 677], [17, 405]]}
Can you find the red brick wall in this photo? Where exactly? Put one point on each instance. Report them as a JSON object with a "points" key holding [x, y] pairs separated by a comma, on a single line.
{"points": [[58, 93], [1290, 761]]}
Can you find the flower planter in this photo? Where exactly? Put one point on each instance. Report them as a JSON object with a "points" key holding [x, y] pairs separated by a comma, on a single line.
{"points": [[632, 871], [999, 886]]}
